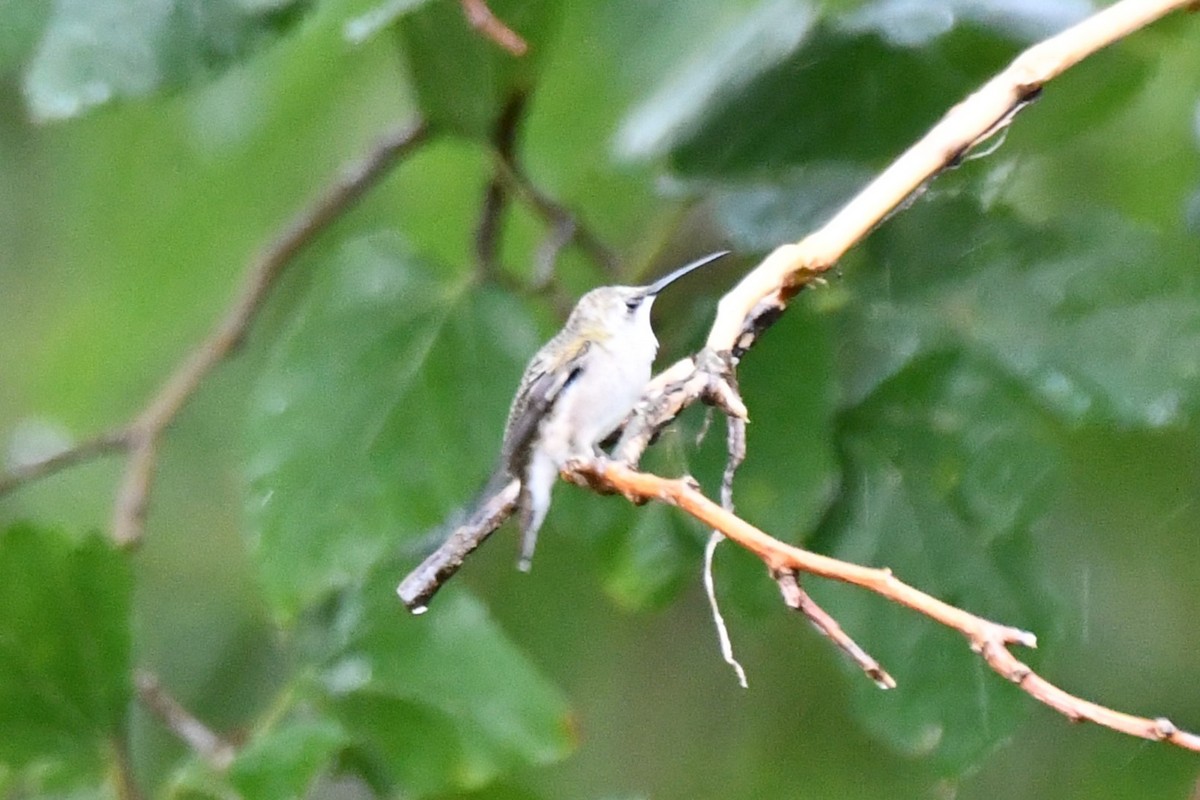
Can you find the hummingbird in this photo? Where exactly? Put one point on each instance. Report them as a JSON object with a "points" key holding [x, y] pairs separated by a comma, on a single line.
{"points": [[578, 389], [575, 392]]}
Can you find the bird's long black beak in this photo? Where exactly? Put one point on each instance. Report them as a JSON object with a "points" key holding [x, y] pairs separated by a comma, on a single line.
{"points": [[667, 280]]}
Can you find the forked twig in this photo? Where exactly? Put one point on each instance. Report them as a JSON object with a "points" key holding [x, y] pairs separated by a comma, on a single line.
{"points": [[795, 597]]}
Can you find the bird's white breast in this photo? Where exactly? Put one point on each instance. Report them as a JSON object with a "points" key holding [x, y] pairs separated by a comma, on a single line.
{"points": [[615, 372]]}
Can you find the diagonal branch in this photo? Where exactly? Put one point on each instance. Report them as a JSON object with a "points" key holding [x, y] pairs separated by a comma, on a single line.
{"points": [[146, 428], [140, 437], [990, 640], [762, 296], [486, 22], [201, 739]]}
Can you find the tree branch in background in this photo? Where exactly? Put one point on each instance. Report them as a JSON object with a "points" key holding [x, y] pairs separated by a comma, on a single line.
{"points": [[178, 720], [124, 783], [483, 20], [145, 430], [989, 639], [140, 437], [495, 195], [565, 226], [102, 445], [509, 181]]}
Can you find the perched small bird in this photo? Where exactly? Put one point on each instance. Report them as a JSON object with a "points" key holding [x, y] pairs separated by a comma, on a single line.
{"points": [[576, 391]]}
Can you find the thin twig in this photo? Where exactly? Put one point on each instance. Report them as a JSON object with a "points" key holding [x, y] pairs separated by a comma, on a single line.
{"points": [[990, 640], [735, 445], [483, 20], [105, 443], [710, 590], [509, 180], [795, 597], [178, 720], [147, 427], [545, 258]]}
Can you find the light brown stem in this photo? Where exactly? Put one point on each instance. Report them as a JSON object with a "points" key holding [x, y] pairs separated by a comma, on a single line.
{"points": [[990, 640]]}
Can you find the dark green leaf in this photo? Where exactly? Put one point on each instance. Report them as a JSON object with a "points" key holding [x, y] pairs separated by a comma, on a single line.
{"points": [[650, 560], [946, 467], [785, 116], [440, 701], [463, 80], [64, 648], [379, 414], [94, 51]]}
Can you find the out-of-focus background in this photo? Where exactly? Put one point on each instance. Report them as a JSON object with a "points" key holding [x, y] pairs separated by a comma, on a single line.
{"points": [[996, 396]]}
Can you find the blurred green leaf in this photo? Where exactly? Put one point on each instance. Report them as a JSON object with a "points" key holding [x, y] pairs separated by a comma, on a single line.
{"points": [[913, 23], [714, 76], [379, 16], [283, 763], [1096, 317], [946, 467], [64, 649], [506, 792], [783, 90], [785, 116], [23, 24], [378, 415], [196, 780], [96, 51], [441, 701], [462, 79], [761, 215], [651, 560]]}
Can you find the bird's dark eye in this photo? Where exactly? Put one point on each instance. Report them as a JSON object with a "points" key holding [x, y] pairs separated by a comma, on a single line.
{"points": [[632, 304]]}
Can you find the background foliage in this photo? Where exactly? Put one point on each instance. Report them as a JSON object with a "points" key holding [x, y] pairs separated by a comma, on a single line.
{"points": [[999, 400]]}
